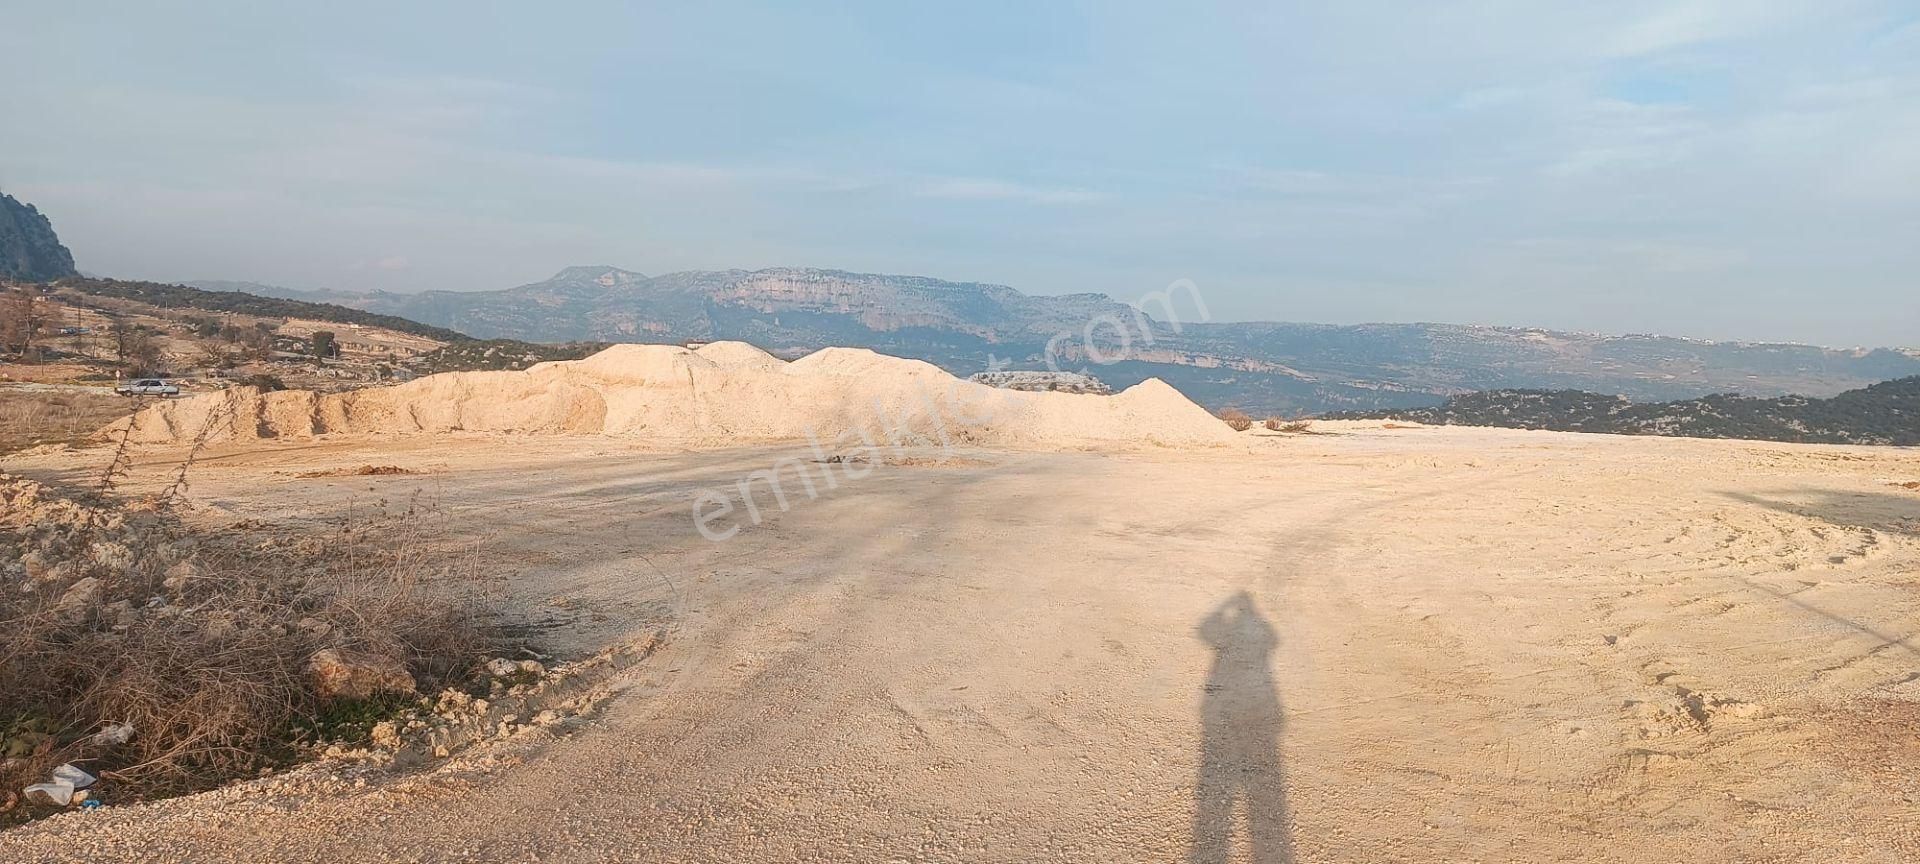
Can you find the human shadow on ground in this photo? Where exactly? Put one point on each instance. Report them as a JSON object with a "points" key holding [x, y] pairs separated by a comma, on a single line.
{"points": [[1240, 724], [1876, 511], [1888, 512]]}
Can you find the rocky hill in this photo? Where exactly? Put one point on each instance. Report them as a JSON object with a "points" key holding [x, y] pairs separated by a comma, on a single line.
{"points": [[182, 297], [1271, 368], [29, 250], [1884, 413]]}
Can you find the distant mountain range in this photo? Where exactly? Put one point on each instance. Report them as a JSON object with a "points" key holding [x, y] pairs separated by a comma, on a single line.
{"points": [[968, 327], [29, 250], [1884, 413], [1279, 368]]}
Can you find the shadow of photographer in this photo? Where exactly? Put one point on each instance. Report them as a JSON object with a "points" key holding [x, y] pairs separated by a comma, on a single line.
{"points": [[1240, 725]]}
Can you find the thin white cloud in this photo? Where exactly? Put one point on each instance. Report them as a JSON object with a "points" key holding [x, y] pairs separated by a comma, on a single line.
{"points": [[642, 173], [1322, 161], [988, 189], [1496, 96], [1682, 23], [1610, 134]]}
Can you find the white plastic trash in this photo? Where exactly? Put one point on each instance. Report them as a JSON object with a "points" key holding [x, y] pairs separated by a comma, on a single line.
{"points": [[115, 734], [56, 794], [73, 777]]}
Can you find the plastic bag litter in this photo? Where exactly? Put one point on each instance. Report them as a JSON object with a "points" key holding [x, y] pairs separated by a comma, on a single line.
{"points": [[73, 776], [114, 735], [56, 794]]}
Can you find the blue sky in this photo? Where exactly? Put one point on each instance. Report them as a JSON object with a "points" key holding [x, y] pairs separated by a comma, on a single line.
{"points": [[1709, 168]]}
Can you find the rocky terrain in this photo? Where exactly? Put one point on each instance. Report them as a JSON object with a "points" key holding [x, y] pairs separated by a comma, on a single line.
{"points": [[29, 250], [1264, 368], [163, 659], [1042, 381], [162, 295], [1884, 413], [94, 331]]}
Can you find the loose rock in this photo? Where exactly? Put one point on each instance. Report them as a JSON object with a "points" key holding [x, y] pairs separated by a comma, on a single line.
{"points": [[79, 596], [337, 674]]}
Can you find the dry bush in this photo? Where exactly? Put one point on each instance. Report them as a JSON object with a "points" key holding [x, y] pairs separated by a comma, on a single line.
{"points": [[204, 704], [391, 589], [202, 643], [1236, 419], [1276, 424]]}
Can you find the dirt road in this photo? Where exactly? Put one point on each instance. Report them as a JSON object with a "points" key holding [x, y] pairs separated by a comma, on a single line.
{"points": [[1380, 645]]}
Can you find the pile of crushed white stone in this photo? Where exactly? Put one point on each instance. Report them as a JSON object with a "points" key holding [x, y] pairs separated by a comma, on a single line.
{"points": [[719, 394]]}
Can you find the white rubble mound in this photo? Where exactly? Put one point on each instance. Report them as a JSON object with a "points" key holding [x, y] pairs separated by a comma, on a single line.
{"points": [[722, 393]]}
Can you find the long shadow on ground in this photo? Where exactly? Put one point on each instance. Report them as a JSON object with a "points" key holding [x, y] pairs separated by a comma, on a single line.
{"points": [[1240, 725]]}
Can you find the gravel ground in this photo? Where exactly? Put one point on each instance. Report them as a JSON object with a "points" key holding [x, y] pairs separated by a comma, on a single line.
{"points": [[1373, 645]]}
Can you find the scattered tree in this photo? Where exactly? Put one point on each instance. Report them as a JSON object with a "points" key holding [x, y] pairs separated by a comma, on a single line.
{"points": [[256, 341], [136, 349], [216, 353], [25, 316], [325, 345]]}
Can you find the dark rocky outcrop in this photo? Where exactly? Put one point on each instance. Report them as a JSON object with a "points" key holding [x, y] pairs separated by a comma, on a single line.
{"points": [[29, 250]]}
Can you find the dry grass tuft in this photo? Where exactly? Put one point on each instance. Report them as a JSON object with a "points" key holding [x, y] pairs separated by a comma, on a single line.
{"points": [[1236, 419], [1276, 424]]}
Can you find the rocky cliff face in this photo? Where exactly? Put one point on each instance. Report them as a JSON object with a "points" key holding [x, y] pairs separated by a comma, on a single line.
{"points": [[29, 250], [1283, 368]]}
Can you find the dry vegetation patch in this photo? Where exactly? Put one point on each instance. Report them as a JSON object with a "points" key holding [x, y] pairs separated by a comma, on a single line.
{"points": [[906, 461], [222, 654], [359, 471], [1236, 419], [31, 417]]}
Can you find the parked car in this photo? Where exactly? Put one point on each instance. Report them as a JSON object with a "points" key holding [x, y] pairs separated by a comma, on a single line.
{"points": [[146, 387]]}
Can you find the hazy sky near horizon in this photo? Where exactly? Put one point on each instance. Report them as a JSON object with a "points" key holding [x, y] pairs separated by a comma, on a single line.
{"points": [[1707, 168]]}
